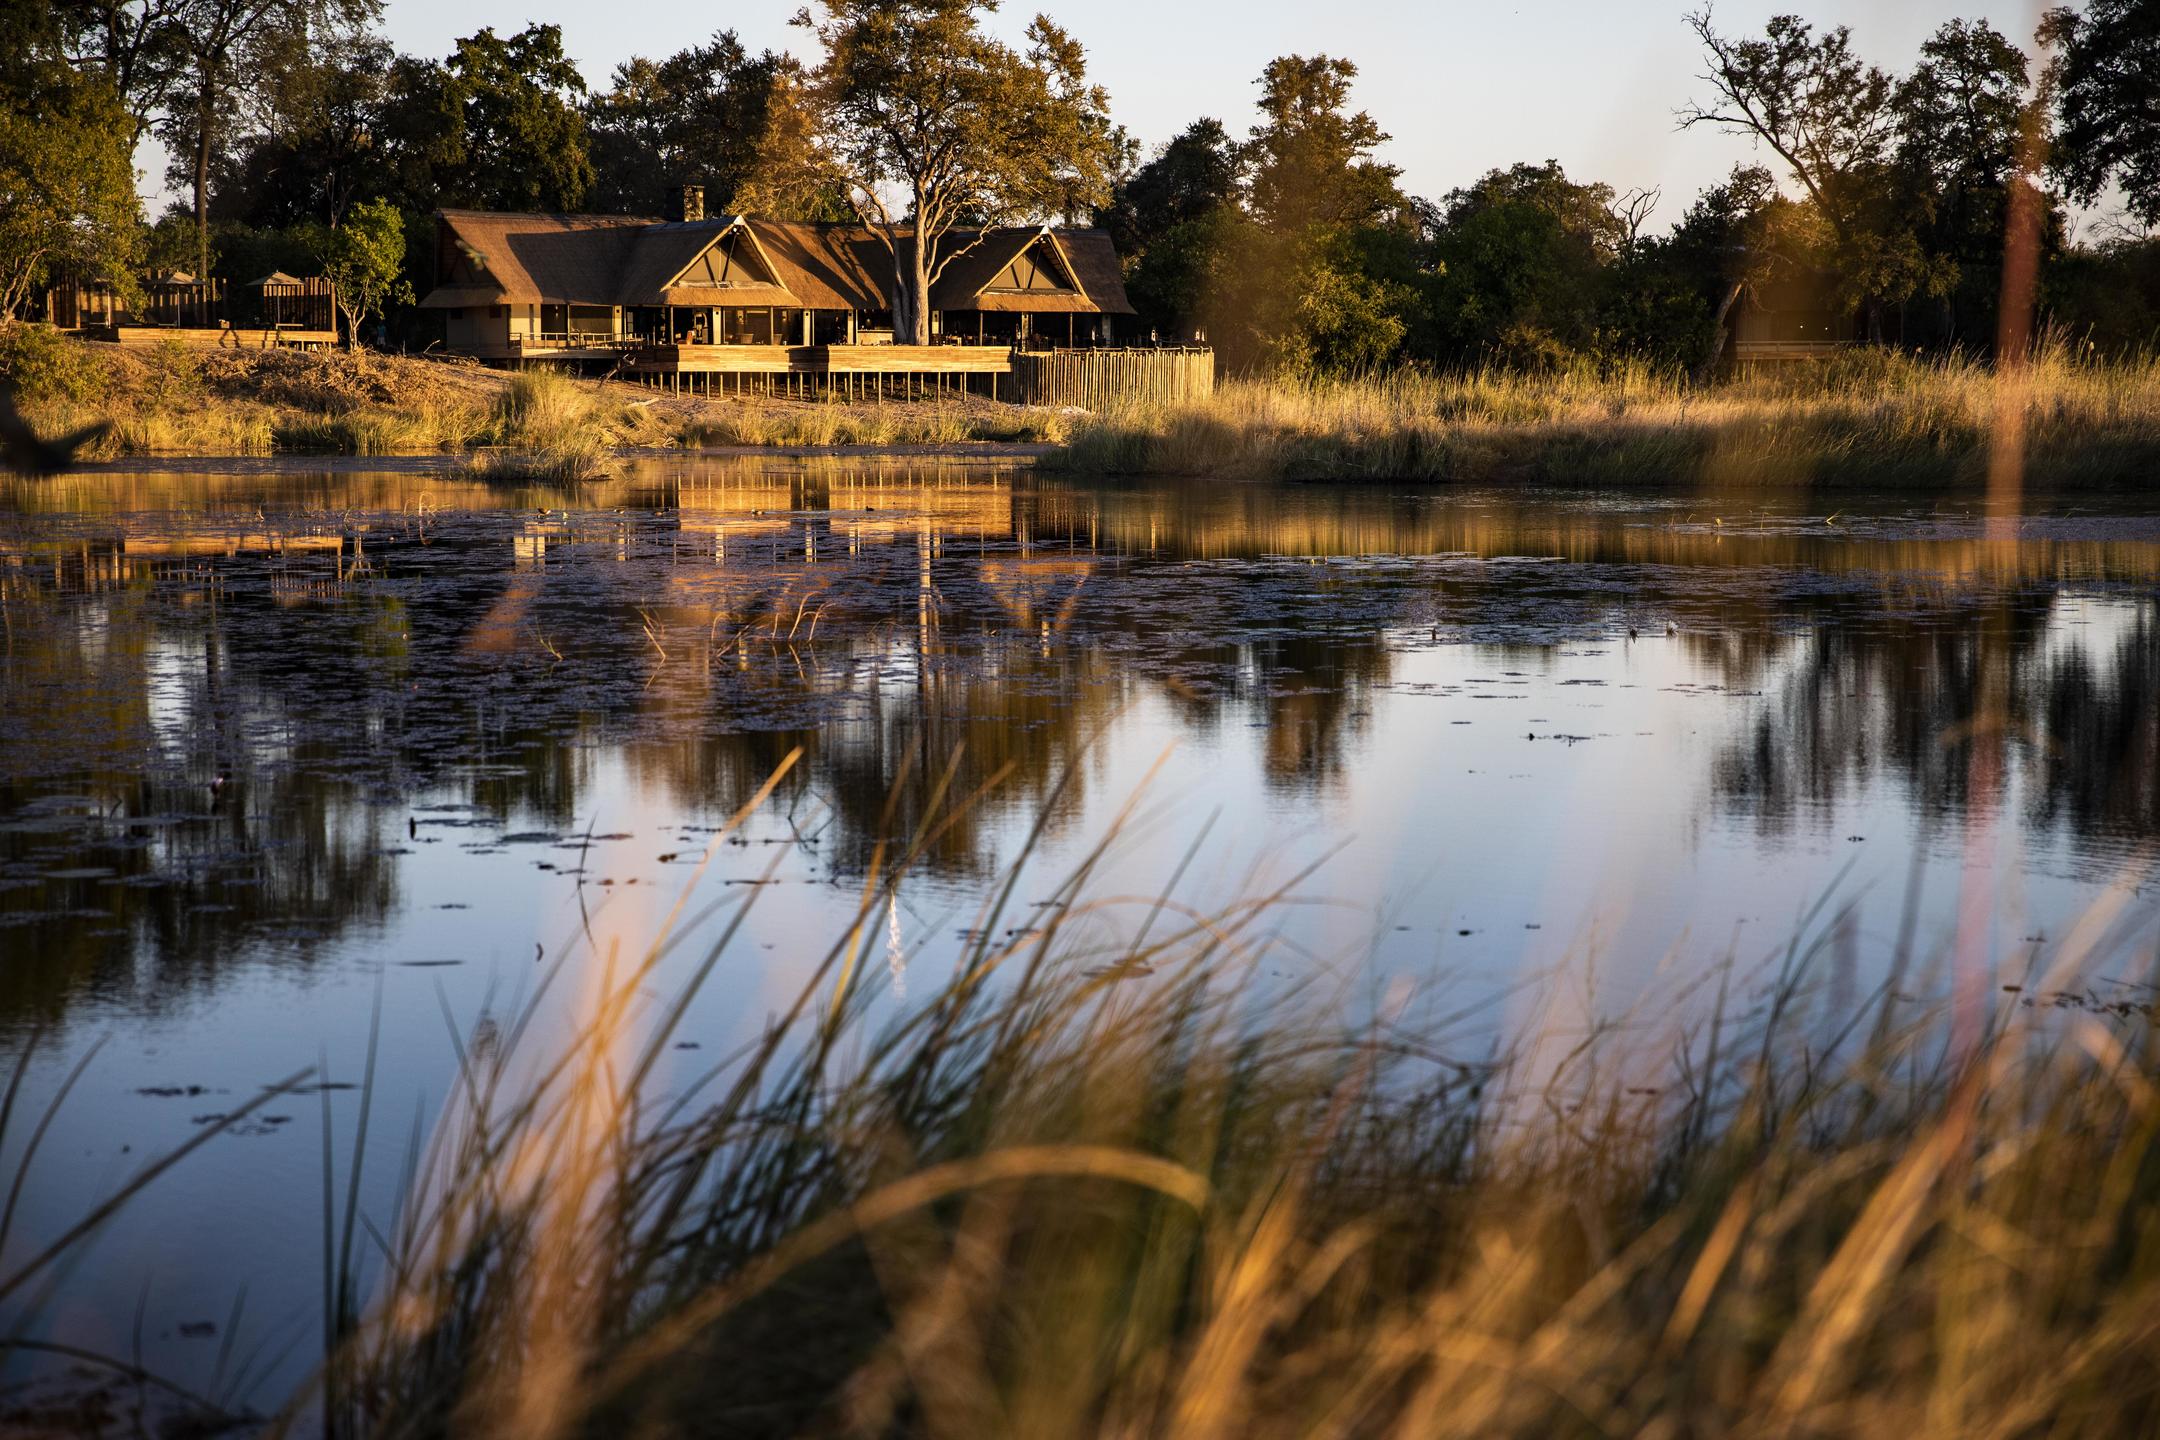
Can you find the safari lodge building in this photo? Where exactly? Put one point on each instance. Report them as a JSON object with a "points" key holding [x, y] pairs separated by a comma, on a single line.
{"points": [[692, 302]]}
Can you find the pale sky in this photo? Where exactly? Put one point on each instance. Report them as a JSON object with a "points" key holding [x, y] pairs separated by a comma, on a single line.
{"points": [[1461, 87]]}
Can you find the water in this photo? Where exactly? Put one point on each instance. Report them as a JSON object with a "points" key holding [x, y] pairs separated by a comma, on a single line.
{"points": [[275, 741]]}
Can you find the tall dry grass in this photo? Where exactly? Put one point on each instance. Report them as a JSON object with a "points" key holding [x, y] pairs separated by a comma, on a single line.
{"points": [[1872, 417], [1101, 1184], [546, 426]]}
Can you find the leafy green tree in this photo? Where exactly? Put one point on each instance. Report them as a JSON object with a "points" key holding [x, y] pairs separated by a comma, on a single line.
{"points": [[1523, 258], [67, 184], [501, 126], [711, 115], [1192, 176], [1962, 117], [1833, 120], [1171, 220], [1319, 276], [1350, 314], [365, 260], [138, 45], [241, 252], [311, 131], [1961, 111], [2106, 297], [2110, 101], [214, 39], [933, 124], [1738, 233], [1310, 158], [1173, 283]]}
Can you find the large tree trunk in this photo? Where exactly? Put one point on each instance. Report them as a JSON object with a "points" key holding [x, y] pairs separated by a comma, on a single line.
{"points": [[1708, 366], [919, 298], [205, 104], [917, 281]]}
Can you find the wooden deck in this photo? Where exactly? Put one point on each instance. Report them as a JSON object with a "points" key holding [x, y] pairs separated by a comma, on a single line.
{"points": [[549, 349], [237, 337], [1091, 378], [820, 360], [1758, 352]]}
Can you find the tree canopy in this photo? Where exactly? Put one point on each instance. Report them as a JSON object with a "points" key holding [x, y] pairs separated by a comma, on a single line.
{"points": [[1285, 240], [212, 43], [365, 260], [1832, 119], [1311, 156], [934, 126], [507, 131], [1171, 219], [67, 184], [713, 115], [2110, 103]]}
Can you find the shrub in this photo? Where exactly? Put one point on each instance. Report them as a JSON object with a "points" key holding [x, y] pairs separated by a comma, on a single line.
{"points": [[45, 365], [172, 375]]}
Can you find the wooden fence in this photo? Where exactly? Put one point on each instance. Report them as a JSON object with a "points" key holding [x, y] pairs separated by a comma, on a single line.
{"points": [[303, 311], [1103, 379]]}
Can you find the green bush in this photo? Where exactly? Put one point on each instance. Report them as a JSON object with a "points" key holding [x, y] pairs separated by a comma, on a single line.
{"points": [[172, 376], [45, 365]]}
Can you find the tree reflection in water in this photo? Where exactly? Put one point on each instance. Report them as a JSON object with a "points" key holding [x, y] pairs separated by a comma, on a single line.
{"points": [[225, 693]]}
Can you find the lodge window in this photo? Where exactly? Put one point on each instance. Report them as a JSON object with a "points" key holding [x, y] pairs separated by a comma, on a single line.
{"points": [[592, 319], [747, 327]]}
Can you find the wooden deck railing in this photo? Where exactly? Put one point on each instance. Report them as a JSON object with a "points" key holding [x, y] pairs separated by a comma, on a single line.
{"points": [[1093, 379]]}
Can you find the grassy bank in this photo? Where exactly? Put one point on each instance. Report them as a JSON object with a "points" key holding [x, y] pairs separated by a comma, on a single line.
{"points": [[171, 400], [1096, 1187], [1873, 418]]}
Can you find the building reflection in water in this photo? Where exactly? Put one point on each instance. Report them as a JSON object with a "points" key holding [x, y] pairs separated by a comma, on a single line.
{"points": [[223, 694]]}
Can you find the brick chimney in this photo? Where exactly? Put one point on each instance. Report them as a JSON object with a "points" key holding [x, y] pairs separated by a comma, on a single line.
{"points": [[687, 203]]}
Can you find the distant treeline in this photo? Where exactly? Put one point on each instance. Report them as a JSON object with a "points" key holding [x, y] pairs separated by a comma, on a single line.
{"points": [[1888, 194], [1288, 247]]}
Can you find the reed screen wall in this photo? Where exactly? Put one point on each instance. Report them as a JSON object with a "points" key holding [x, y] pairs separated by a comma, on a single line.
{"points": [[1104, 379]]}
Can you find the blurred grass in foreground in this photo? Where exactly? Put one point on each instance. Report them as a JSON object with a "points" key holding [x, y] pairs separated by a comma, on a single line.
{"points": [[1101, 1184], [1871, 417]]}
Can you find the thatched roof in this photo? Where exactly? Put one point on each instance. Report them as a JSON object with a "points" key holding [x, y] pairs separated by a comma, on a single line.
{"points": [[655, 275], [459, 297], [830, 267], [545, 259], [972, 280], [623, 260]]}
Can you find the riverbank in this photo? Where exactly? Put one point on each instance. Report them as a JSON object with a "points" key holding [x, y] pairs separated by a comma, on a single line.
{"points": [[1874, 419], [537, 424]]}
